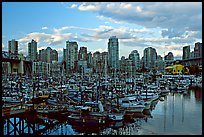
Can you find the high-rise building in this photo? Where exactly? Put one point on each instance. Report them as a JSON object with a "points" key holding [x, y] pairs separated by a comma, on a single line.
{"points": [[32, 50], [104, 60], [89, 60], [48, 49], [82, 53], [122, 65], [198, 50], [113, 53], [150, 56], [170, 56], [43, 55], [186, 52], [135, 57], [70, 56], [54, 55], [192, 54], [97, 62], [12, 47], [169, 59], [159, 63], [48, 55]]}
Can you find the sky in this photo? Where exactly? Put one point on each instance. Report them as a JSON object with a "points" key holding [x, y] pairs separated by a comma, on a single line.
{"points": [[165, 26]]}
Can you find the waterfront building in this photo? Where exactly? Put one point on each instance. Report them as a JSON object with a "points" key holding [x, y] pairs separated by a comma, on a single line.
{"points": [[150, 56], [113, 53], [32, 50], [186, 52], [135, 57], [70, 56], [198, 50], [177, 68], [12, 48]]}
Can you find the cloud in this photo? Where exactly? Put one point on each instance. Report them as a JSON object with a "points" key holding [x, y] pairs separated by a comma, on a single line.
{"points": [[3, 45], [177, 53], [176, 17], [73, 6], [100, 50], [50, 39], [44, 28], [88, 7]]}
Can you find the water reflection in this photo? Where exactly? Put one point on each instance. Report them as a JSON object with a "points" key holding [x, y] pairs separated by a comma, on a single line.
{"points": [[177, 114]]}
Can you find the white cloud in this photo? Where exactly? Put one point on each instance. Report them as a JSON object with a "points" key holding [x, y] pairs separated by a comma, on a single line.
{"points": [[176, 17], [177, 53], [100, 50], [73, 6], [3, 45], [50, 39], [88, 7], [44, 28]]}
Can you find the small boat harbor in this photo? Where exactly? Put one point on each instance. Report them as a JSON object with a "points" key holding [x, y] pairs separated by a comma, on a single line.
{"points": [[86, 104]]}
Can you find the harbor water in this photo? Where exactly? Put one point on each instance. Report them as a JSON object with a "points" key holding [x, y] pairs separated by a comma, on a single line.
{"points": [[176, 114]]}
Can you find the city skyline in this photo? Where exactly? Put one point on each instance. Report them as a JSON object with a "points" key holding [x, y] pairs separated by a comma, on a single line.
{"points": [[137, 25]]}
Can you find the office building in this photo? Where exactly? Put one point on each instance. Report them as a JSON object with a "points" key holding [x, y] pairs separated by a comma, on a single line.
{"points": [[13, 48], [113, 53], [186, 52], [150, 56], [198, 50], [32, 50]]}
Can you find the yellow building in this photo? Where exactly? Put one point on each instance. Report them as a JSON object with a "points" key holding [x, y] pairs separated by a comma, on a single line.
{"points": [[177, 69]]}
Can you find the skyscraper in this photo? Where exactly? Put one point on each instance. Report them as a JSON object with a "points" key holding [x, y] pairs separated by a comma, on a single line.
{"points": [[48, 55], [48, 49], [54, 55], [89, 60], [186, 52], [12, 47], [97, 61], [198, 50], [70, 56], [43, 55], [32, 50], [135, 57], [82, 53], [150, 56], [113, 53], [168, 59], [170, 56]]}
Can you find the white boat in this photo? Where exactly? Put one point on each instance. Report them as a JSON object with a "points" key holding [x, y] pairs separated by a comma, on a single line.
{"points": [[116, 116], [146, 103], [149, 96], [130, 104]]}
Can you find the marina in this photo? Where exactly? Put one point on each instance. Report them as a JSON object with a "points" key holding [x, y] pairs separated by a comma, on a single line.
{"points": [[100, 108], [101, 68]]}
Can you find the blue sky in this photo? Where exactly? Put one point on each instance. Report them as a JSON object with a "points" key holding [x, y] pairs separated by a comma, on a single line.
{"points": [[165, 26]]}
